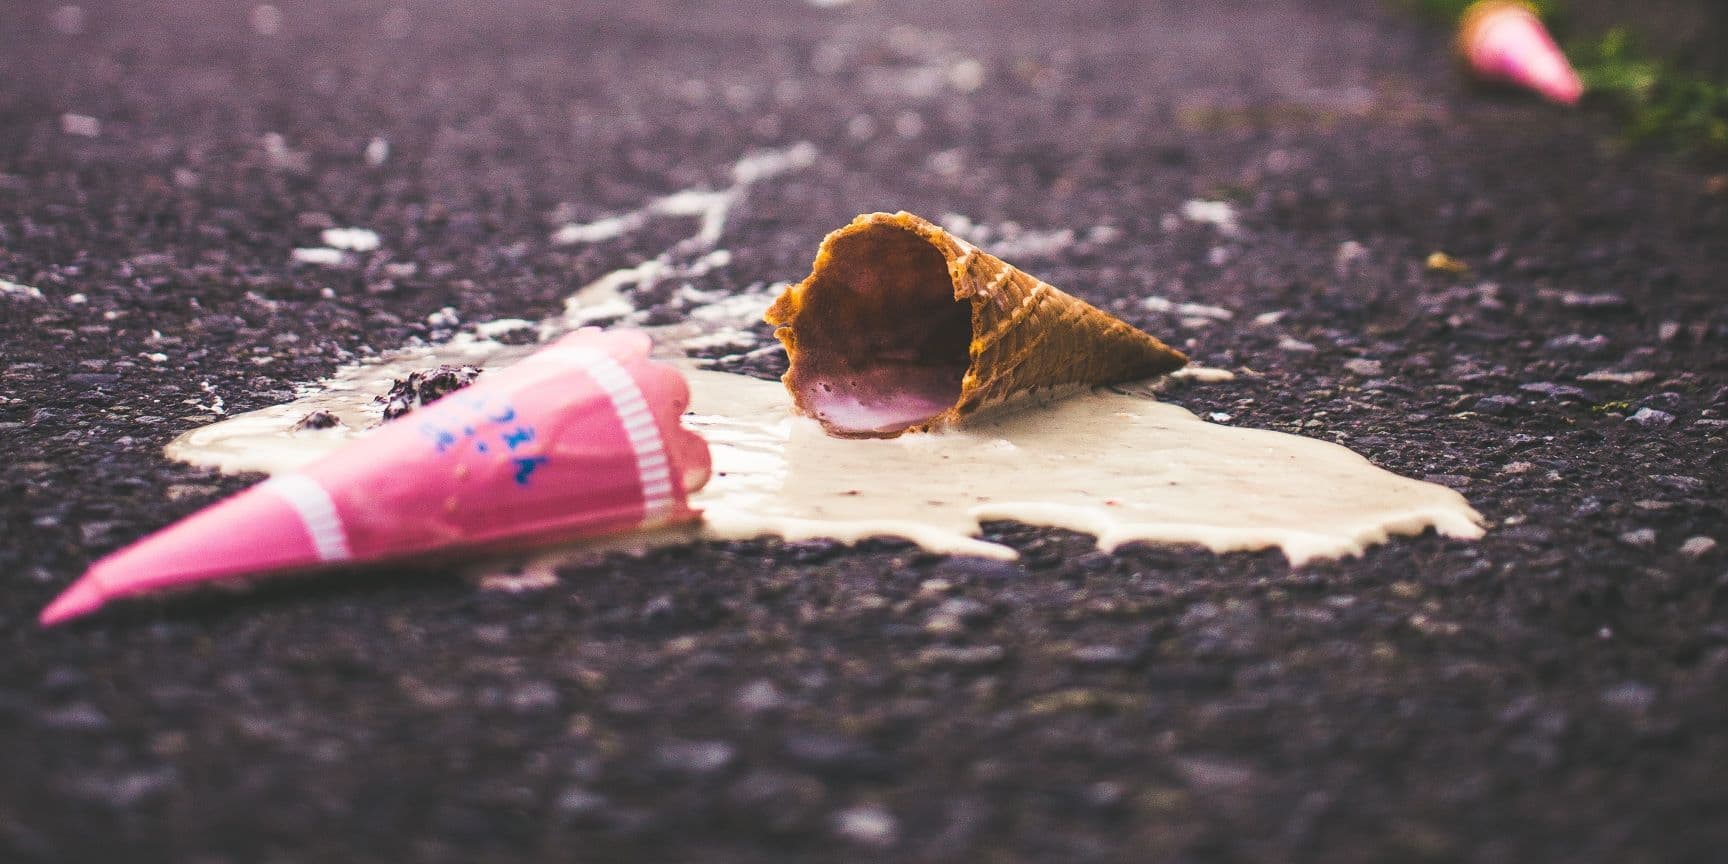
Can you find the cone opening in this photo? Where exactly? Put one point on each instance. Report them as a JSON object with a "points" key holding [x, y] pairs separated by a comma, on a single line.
{"points": [[883, 344]]}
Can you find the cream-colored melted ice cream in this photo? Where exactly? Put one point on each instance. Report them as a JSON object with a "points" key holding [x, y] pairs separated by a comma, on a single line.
{"points": [[1118, 465]]}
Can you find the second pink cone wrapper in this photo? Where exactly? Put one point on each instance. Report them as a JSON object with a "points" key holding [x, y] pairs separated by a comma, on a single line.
{"points": [[1506, 42]]}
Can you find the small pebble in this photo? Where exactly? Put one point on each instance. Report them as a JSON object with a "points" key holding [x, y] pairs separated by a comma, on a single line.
{"points": [[1602, 301], [1665, 401], [1349, 252], [444, 318], [695, 757], [519, 581], [79, 716], [1680, 482], [1104, 794], [318, 420], [578, 802], [1577, 343], [377, 151], [81, 125], [1640, 537], [978, 655], [964, 608], [266, 19], [1651, 417], [1496, 406], [1101, 655], [69, 20], [1630, 697], [1214, 774], [982, 569], [1554, 391], [867, 825], [425, 386], [758, 697], [1628, 378], [1698, 547], [534, 697], [126, 790], [954, 615]]}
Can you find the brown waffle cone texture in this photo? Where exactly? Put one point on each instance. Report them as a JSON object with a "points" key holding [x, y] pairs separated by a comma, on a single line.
{"points": [[1027, 335]]}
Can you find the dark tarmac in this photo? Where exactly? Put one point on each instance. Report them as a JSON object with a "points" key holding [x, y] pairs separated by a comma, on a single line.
{"points": [[1555, 692]]}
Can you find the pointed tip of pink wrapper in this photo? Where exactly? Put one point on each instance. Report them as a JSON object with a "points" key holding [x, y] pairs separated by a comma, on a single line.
{"points": [[81, 599]]}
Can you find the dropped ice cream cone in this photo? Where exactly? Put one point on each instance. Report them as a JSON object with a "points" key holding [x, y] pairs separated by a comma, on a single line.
{"points": [[1502, 41], [578, 440], [901, 326]]}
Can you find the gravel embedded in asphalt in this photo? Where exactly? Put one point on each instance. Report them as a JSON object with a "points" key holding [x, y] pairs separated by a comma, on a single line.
{"points": [[168, 176]]}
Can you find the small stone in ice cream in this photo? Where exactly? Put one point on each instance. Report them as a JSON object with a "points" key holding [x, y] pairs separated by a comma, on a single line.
{"points": [[318, 420], [424, 387]]}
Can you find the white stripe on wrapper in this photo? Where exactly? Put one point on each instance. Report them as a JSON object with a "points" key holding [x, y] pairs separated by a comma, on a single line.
{"points": [[317, 512], [652, 468]]}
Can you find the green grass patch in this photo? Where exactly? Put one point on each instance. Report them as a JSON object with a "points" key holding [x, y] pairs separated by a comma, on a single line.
{"points": [[1659, 103]]}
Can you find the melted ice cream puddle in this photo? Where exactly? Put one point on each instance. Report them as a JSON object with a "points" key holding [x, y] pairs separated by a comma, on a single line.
{"points": [[1119, 465]]}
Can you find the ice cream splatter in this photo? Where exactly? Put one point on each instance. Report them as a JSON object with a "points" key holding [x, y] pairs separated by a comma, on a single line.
{"points": [[1218, 214], [350, 239], [1010, 241], [1202, 374], [598, 230], [1190, 310], [22, 292], [710, 207], [322, 256]]}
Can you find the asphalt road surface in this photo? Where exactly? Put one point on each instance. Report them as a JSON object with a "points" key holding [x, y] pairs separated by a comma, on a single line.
{"points": [[1554, 692]]}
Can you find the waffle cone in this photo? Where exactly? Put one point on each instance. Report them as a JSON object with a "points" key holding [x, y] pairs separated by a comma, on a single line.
{"points": [[901, 326]]}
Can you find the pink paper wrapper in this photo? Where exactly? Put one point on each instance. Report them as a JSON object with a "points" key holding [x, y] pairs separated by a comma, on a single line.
{"points": [[579, 440], [1505, 42]]}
